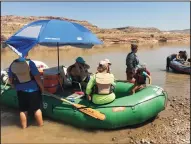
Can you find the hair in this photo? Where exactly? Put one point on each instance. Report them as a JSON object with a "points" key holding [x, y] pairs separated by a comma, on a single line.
{"points": [[134, 46], [141, 70], [101, 68], [181, 52]]}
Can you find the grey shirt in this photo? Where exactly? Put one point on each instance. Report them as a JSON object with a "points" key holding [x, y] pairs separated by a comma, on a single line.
{"points": [[132, 61]]}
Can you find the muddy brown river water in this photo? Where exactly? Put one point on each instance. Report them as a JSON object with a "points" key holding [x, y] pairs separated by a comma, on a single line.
{"points": [[171, 126]]}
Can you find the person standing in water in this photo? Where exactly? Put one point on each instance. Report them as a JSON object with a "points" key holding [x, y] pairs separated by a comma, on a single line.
{"points": [[25, 78], [132, 62]]}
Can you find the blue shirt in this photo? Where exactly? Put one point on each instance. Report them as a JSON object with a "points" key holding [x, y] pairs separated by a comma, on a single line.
{"points": [[29, 86]]}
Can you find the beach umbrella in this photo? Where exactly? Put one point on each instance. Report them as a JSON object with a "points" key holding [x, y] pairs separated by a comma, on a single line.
{"points": [[51, 33]]}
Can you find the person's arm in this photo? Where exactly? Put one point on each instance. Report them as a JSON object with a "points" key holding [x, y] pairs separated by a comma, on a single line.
{"points": [[177, 56], [36, 74], [149, 77], [90, 85], [135, 86], [10, 74], [39, 82]]}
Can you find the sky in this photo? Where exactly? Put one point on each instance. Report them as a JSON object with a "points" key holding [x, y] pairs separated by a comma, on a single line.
{"points": [[162, 15]]}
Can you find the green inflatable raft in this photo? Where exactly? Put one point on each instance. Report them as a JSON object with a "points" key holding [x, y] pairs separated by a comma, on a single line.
{"points": [[125, 110]]}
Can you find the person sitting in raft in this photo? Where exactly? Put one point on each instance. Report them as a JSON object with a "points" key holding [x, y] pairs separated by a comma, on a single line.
{"points": [[79, 71], [101, 85], [140, 79], [172, 57], [132, 79], [145, 68]]}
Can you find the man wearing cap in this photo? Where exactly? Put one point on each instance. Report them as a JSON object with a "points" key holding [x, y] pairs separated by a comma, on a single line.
{"points": [[79, 71], [132, 62], [25, 78]]}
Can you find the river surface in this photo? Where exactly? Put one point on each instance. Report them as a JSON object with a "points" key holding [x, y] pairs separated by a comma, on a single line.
{"points": [[56, 132]]}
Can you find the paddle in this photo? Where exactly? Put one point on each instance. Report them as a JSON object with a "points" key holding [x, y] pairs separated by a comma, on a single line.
{"points": [[89, 111]]}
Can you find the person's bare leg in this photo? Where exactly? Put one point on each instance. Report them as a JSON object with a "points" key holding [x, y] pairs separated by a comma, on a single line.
{"points": [[23, 119], [38, 116]]}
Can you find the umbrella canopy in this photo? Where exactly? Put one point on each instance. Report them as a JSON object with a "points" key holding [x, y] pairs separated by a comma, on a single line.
{"points": [[52, 33]]}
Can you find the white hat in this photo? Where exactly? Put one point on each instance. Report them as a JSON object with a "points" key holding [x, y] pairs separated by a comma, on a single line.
{"points": [[103, 62], [107, 61]]}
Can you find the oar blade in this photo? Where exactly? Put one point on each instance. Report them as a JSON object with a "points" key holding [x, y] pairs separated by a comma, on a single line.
{"points": [[93, 113]]}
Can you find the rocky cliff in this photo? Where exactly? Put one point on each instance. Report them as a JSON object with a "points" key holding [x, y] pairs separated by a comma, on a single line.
{"points": [[10, 24]]}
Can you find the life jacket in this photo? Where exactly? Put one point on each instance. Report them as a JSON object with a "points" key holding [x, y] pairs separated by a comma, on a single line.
{"points": [[103, 84], [21, 72]]}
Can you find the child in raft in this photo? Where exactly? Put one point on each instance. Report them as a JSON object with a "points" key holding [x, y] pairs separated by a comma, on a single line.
{"points": [[132, 78], [140, 79]]}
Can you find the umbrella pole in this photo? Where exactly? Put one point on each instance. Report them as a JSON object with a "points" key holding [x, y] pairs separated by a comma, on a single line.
{"points": [[58, 57], [59, 67]]}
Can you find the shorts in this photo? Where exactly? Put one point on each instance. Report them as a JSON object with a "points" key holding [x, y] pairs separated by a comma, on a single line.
{"points": [[29, 101]]}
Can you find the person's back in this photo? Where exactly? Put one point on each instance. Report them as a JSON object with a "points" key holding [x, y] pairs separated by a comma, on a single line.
{"points": [[141, 76], [101, 85], [173, 56], [21, 71], [131, 60], [78, 71], [25, 78]]}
